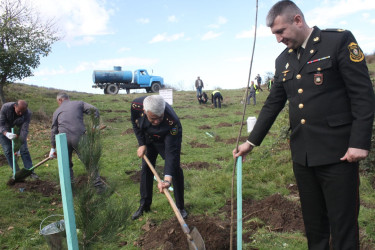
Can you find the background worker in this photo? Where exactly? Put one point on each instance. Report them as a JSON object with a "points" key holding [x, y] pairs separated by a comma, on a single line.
{"points": [[216, 98], [199, 86], [258, 78], [203, 98], [68, 119], [16, 114], [158, 131], [252, 93], [331, 113]]}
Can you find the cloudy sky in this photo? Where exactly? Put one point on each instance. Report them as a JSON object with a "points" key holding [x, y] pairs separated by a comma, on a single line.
{"points": [[179, 40]]}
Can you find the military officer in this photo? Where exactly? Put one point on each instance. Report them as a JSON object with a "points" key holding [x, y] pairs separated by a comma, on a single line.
{"points": [[323, 75], [158, 131]]}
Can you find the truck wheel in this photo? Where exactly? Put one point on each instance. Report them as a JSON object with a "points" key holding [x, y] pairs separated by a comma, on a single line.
{"points": [[105, 91], [112, 89], [127, 91], [148, 90], [155, 87]]}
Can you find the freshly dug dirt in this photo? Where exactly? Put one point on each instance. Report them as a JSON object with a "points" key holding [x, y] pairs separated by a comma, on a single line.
{"points": [[195, 165], [276, 212], [128, 131], [195, 144], [204, 127], [135, 176], [46, 188], [224, 124]]}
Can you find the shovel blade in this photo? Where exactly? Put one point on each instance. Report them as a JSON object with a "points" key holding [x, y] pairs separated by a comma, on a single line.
{"points": [[196, 242], [22, 174]]}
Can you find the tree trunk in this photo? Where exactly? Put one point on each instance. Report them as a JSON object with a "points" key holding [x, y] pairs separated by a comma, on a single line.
{"points": [[2, 97]]}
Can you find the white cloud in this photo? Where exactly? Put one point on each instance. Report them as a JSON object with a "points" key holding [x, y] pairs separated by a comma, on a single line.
{"points": [[220, 21], [50, 72], [172, 19], [165, 38], [262, 31], [328, 15], [123, 49], [210, 35], [143, 20], [76, 18]]}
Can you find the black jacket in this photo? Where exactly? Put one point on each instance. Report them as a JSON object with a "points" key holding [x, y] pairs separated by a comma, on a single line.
{"points": [[166, 137], [331, 100]]}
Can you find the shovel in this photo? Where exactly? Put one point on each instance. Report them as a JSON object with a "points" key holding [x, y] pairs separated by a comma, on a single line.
{"points": [[195, 240], [23, 173]]}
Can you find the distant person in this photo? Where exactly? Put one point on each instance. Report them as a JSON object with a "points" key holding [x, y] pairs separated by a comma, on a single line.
{"points": [[203, 98], [158, 131], [199, 86], [252, 93], [69, 119], [12, 115], [258, 78], [331, 115], [216, 98]]}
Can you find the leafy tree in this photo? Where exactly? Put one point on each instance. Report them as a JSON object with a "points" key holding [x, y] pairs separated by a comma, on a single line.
{"points": [[24, 38]]}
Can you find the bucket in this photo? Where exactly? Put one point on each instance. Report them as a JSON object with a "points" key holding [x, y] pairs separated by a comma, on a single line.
{"points": [[54, 234], [251, 120]]}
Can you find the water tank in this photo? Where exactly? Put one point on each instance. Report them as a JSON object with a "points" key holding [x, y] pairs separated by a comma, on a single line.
{"points": [[112, 76]]}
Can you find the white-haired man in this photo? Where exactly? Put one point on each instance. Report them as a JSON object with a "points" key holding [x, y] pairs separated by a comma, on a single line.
{"points": [[158, 131]]}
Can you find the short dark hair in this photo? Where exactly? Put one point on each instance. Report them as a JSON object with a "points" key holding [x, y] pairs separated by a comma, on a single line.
{"points": [[285, 8]]}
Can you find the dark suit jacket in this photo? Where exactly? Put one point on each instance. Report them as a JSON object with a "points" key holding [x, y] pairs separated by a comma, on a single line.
{"points": [[331, 99], [166, 137]]}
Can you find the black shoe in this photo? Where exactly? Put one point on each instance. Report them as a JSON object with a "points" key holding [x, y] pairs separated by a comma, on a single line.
{"points": [[34, 176], [139, 212], [183, 213]]}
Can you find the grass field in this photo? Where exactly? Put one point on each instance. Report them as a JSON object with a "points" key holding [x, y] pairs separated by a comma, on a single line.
{"points": [[266, 171]]}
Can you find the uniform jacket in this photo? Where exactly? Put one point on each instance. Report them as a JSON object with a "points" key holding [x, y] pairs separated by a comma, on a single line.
{"points": [[68, 118], [166, 137], [9, 119], [331, 100]]}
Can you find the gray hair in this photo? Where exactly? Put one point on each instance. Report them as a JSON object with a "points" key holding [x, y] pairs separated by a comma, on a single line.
{"points": [[285, 8], [155, 104], [62, 95]]}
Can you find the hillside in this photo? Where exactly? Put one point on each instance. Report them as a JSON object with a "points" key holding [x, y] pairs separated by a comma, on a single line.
{"points": [[272, 217]]}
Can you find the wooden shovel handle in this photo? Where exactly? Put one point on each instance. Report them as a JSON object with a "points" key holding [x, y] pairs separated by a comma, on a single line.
{"points": [[181, 220], [40, 163]]}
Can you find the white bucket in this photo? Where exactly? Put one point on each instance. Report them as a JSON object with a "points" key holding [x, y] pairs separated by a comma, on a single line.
{"points": [[251, 120]]}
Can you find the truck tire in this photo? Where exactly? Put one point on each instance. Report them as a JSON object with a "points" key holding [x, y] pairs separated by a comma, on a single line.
{"points": [[112, 89], [105, 91], [127, 91], [148, 90], [155, 87]]}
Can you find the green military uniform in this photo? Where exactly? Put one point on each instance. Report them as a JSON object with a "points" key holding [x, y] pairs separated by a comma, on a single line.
{"points": [[331, 108]]}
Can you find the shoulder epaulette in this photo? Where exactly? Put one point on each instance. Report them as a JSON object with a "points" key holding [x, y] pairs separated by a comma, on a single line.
{"points": [[333, 30], [137, 106]]}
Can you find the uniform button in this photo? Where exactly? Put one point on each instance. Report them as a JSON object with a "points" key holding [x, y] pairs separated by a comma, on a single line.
{"points": [[283, 79], [300, 91], [319, 69], [298, 76], [311, 51], [300, 105], [303, 121]]}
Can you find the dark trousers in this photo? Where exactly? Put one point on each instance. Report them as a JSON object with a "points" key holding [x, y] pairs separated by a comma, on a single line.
{"points": [[147, 180], [24, 150], [217, 97], [330, 204]]}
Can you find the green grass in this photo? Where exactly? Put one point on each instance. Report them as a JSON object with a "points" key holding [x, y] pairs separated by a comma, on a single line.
{"points": [[265, 172]]}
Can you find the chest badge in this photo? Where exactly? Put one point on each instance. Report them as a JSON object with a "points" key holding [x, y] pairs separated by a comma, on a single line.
{"points": [[318, 79]]}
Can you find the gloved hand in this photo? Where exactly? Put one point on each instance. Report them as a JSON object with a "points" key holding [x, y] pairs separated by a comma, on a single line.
{"points": [[52, 153], [18, 153], [11, 136]]}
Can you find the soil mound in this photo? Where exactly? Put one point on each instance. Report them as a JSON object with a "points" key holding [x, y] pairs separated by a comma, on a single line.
{"points": [[224, 124], [46, 188], [204, 127], [195, 165], [135, 176], [169, 234], [128, 131]]}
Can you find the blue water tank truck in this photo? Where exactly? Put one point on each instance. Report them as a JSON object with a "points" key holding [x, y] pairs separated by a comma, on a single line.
{"points": [[114, 80]]}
